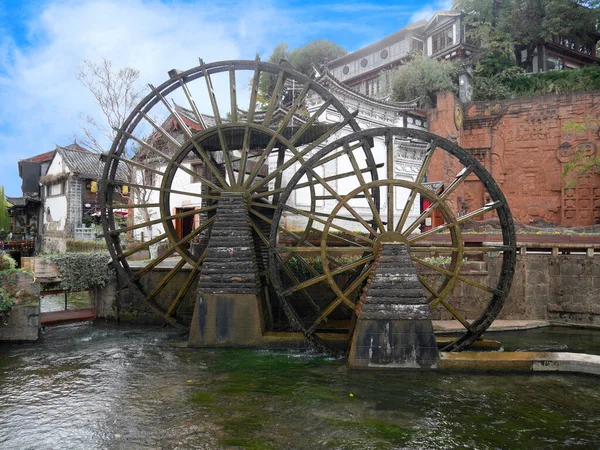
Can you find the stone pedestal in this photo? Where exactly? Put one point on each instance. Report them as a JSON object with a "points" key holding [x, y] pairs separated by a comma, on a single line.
{"points": [[228, 310], [394, 328]]}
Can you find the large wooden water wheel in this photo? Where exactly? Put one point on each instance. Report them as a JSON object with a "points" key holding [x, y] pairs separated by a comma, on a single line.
{"points": [[350, 227], [229, 137]]}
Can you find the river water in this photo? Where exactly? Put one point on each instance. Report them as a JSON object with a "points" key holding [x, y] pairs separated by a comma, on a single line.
{"points": [[98, 386]]}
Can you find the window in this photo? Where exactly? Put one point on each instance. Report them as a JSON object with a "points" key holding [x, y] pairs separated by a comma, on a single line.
{"points": [[554, 63], [417, 46], [442, 39], [197, 169], [55, 189], [586, 49], [567, 42], [372, 87]]}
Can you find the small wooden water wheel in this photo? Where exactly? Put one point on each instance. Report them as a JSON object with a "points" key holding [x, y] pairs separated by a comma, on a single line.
{"points": [[359, 211]]}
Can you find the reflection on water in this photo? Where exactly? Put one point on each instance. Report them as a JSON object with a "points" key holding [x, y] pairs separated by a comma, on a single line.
{"points": [[91, 386]]}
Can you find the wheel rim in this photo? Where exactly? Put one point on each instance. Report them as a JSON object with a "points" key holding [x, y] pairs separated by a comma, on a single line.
{"points": [[345, 294]]}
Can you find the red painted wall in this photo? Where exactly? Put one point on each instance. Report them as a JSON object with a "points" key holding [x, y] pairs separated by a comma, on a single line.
{"points": [[523, 144]]}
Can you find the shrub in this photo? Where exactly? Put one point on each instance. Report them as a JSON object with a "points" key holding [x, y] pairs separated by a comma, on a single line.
{"points": [[513, 83], [83, 271], [74, 245], [422, 78], [6, 302], [7, 262]]}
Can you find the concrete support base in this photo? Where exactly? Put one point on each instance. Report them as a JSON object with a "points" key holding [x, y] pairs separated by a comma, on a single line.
{"points": [[394, 328], [228, 309], [226, 320], [402, 344]]}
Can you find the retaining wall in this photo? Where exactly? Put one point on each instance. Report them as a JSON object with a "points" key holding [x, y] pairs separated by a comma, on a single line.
{"points": [[555, 285]]}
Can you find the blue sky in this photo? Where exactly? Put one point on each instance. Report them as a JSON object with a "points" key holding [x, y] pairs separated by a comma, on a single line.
{"points": [[43, 42]]}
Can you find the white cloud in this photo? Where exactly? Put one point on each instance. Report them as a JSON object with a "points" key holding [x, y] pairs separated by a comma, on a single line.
{"points": [[40, 94], [427, 11]]}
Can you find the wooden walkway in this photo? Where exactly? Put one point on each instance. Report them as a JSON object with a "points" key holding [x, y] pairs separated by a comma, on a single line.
{"points": [[51, 318]]}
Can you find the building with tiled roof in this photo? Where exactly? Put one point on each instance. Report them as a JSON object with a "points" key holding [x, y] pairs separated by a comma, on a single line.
{"points": [[69, 193]]}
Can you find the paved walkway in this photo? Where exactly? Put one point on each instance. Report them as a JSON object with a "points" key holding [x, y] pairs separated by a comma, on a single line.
{"points": [[453, 326]]}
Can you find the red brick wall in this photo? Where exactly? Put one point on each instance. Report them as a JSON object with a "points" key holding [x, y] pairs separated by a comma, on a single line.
{"points": [[522, 143]]}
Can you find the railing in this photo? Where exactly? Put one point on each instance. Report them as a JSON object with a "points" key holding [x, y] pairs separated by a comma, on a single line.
{"points": [[84, 233], [17, 245]]}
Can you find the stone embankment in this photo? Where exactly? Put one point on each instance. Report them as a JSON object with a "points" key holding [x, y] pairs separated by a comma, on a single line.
{"points": [[22, 323]]}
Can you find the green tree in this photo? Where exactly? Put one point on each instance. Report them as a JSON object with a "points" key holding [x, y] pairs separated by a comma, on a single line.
{"points": [[4, 217], [515, 27], [268, 80], [422, 78], [315, 53]]}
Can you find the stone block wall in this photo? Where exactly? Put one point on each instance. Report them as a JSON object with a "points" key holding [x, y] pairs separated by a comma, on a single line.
{"points": [[23, 321], [563, 288]]}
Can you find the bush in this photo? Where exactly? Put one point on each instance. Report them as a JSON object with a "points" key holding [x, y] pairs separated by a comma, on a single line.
{"points": [[422, 78], [83, 271], [6, 302], [513, 83], [74, 245], [7, 262]]}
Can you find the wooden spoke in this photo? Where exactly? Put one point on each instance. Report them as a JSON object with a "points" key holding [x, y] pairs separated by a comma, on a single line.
{"points": [[192, 104], [413, 195], [161, 130], [455, 314], [487, 208], [303, 153], [314, 182], [279, 132], [337, 196], [166, 280], [155, 262], [457, 275], [172, 111], [136, 164], [166, 157], [274, 98], [189, 281], [389, 144], [342, 298], [342, 152], [215, 108], [311, 120], [457, 181], [156, 188], [328, 249], [172, 249], [333, 225], [245, 155], [233, 95], [435, 294], [286, 269], [142, 246], [254, 91], [338, 271], [163, 219], [361, 179]]}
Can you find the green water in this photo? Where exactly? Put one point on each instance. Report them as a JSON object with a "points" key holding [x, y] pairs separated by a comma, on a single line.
{"points": [[91, 386]]}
